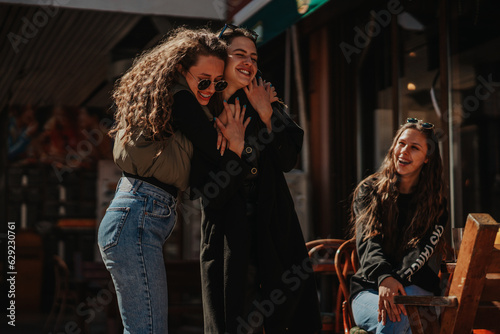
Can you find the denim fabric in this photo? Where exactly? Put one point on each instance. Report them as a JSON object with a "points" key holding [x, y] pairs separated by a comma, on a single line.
{"points": [[131, 236], [365, 312]]}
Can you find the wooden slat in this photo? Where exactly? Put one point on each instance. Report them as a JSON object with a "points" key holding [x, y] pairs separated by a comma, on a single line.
{"points": [[423, 319], [324, 268], [415, 319], [488, 316], [491, 290]]}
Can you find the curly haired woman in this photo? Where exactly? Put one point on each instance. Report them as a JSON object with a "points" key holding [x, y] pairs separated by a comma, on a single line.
{"points": [[399, 215], [155, 159]]}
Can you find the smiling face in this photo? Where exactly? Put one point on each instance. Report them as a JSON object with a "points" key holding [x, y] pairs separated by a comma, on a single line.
{"points": [[241, 64], [207, 67], [410, 155]]}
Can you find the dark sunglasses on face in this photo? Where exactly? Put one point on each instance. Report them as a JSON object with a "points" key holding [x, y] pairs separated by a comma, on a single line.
{"points": [[205, 83], [425, 125], [232, 26]]}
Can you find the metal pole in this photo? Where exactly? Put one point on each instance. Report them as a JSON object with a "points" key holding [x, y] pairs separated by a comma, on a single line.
{"points": [[301, 99]]}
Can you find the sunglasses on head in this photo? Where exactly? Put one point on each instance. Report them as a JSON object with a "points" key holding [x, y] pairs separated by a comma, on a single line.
{"points": [[425, 125], [205, 83], [233, 27]]}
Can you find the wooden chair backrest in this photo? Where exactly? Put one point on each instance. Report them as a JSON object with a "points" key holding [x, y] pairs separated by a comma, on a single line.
{"points": [[473, 299], [322, 253], [346, 264]]}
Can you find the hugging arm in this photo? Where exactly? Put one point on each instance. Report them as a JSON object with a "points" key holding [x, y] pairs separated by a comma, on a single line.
{"points": [[191, 120]]}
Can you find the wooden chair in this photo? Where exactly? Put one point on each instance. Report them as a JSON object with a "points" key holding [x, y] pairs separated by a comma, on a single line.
{"points": [[346, 264], [322, 252], [473, 300]]}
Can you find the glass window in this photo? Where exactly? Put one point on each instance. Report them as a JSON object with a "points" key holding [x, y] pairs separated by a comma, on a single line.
{"points": [[475, 64]]}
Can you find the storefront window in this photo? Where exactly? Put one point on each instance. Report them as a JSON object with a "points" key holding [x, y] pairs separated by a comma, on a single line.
{"points": [[475, 86]]}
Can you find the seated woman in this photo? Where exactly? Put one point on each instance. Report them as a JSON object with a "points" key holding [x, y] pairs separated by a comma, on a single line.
{"points": [[399, 215]]}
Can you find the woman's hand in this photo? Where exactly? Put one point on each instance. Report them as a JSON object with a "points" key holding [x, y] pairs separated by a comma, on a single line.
{"points": [[234, 130], [387, 289], [260, 96], [273, 95], [221, 140]]}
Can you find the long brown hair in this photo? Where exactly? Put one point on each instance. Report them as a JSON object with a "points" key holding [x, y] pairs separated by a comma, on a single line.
{"points": [[380, 212], [143, 96]]}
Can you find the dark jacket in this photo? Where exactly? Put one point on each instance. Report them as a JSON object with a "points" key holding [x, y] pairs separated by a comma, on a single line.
{"points": [[272, 239], [379, 259]]}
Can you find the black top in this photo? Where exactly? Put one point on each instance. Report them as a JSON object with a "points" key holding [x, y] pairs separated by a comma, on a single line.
{"points": [[381, 258], [172, 190]]}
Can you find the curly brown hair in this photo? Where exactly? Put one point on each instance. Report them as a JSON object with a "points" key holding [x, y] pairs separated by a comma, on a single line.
{"points": [[380, 212], [143, 96]]}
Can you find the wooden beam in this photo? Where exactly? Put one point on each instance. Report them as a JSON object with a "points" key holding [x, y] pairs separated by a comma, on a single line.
{"points": [[320, 143]]}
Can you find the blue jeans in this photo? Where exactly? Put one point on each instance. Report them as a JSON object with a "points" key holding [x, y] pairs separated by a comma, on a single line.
{"points": [[131, 236], [365, 312]]}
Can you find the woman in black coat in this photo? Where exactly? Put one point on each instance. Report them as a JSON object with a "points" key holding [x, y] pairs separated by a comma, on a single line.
{"points": [[255, 269]]}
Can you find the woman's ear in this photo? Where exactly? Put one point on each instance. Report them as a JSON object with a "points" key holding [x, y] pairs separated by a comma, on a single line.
{"points": [[179, 69]]}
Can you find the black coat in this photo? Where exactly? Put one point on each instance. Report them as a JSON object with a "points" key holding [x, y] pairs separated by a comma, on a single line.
{"points": [[272, 239]]}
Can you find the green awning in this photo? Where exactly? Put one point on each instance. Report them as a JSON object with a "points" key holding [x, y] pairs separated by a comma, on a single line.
{"points": [[278, 15]]}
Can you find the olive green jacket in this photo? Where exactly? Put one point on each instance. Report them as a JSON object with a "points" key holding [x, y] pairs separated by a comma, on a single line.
{"points": [[140, 155]]}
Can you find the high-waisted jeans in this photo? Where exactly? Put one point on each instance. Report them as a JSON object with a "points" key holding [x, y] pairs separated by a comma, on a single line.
{"points": [[365, 311], [131, 236]]}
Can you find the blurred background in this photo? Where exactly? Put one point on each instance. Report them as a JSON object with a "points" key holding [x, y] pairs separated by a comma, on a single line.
{"points": [[350, 71]]}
